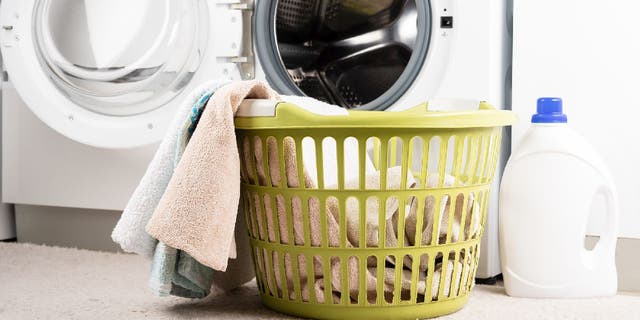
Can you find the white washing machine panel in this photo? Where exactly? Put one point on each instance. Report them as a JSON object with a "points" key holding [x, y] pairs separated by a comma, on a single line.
{"points": [[42, 167]]}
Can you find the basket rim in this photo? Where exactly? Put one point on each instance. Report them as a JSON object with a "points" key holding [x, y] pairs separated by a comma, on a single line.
{"points": [[290, 116]]}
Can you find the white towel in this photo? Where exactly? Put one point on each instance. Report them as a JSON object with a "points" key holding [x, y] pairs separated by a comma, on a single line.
{"points": [[130, 231]]}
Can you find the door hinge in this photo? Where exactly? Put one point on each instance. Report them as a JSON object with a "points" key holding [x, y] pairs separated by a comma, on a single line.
{"points": [[245, 61]]}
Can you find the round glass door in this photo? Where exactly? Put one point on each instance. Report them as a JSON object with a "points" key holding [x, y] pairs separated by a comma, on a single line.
{"points": [[120, 57]]}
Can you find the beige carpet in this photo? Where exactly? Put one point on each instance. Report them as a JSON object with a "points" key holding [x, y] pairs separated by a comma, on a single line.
{"points": [[39, 282]]}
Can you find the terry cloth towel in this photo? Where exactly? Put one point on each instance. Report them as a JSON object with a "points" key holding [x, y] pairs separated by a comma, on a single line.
{"points": [[174, 272], [472, 219], [129, 232], [198, 210]]}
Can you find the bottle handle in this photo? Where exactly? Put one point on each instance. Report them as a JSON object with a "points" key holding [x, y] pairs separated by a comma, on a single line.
{"points": [[609, 237]]}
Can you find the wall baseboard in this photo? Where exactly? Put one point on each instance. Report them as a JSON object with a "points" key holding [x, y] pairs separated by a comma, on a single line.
{"points": [[66, 227], [627, 262]]}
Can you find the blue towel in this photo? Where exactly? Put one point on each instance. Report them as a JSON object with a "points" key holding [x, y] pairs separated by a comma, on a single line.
{"points": [[174, 272]]}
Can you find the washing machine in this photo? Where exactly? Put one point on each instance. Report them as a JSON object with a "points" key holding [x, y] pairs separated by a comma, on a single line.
{"points": [[89, 87]]}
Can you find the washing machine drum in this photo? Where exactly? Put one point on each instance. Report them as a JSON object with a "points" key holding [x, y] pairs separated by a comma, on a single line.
{"points": [[111, 73], [353, 53]]}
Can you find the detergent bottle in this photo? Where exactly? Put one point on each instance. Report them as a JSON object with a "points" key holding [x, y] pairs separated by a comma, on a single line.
{"points": [[547, 191]]}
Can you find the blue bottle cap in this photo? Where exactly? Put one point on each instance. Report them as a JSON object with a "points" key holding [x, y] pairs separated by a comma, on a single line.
{"points": [[549, 111]]}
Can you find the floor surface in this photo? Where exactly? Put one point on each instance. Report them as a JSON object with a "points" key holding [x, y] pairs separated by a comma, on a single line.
{"points": [[38, 282]]}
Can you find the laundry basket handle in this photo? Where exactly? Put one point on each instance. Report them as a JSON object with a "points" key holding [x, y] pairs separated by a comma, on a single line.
{"points": [[443, 104]]}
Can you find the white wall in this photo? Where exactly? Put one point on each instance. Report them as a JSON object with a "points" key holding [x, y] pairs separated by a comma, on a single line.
{"points": [[588, 53]]}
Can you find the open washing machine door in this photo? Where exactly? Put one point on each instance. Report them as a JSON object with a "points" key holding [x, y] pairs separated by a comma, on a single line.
{"points": [[110, 74]]}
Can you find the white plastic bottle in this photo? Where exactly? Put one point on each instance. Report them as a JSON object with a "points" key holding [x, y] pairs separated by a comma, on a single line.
{"points": [[547, 192]]}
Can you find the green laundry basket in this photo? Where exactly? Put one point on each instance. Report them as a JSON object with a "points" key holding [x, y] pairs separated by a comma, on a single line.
{"points": [[315, 243]]}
